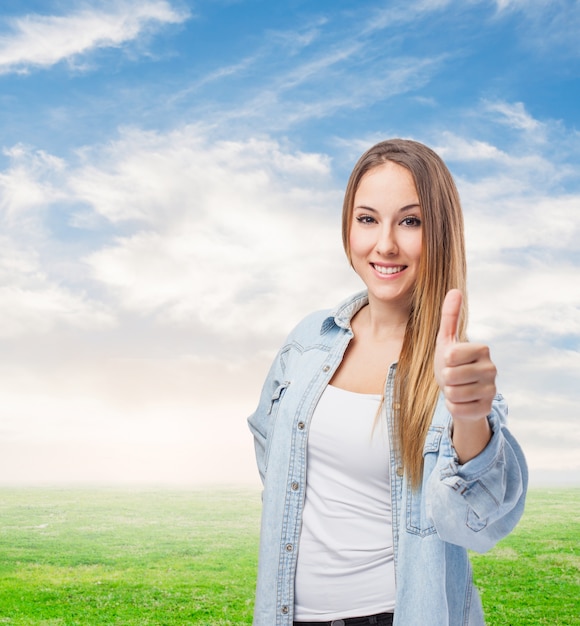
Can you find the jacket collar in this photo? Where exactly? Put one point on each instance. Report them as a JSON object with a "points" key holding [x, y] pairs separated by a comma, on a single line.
{"points": [[342, 314]]}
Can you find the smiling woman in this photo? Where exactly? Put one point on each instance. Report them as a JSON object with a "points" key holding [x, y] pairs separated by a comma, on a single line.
{"points": [[380, 439], [385, 233]]}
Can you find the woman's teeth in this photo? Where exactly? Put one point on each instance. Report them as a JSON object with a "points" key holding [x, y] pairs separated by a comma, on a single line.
{"points": [[389, 270]]}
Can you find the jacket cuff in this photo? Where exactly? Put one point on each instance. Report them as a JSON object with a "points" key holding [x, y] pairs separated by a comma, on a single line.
{"points": [[477, 479]]}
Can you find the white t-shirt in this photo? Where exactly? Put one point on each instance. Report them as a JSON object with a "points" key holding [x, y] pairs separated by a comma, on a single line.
{"points": [[345, 557]]}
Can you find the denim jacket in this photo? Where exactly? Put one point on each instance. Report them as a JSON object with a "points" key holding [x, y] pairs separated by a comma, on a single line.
{"points": [[458, 507]]}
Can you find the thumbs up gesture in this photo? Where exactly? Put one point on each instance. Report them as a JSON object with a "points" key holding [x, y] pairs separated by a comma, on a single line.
{"points": [[464, 371]]}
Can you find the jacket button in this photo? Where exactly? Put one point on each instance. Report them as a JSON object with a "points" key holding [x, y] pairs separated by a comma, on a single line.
{"points": [[289, 547], [326, 368], [285, 610], [300, 425], [295, 486], [400, 471]]}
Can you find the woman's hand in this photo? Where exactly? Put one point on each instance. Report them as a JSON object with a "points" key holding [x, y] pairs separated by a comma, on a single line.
{"points": [[466, 375]]}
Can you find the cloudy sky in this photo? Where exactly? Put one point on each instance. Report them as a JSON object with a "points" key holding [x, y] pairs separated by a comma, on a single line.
{"points": [[171, 178]]}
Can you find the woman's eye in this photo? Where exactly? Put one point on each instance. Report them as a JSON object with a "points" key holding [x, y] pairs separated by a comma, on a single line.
{"points": [[365, 219], [411, 221]]}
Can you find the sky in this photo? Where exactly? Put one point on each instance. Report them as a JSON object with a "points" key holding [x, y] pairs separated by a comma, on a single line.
{"points": [[171, 181]]}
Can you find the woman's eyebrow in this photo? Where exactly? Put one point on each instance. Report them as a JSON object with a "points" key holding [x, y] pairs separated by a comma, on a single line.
{"points": [[407, 207]]}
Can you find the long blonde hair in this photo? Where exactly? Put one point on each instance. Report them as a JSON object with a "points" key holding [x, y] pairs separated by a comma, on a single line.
{"points": [[442, 267]]}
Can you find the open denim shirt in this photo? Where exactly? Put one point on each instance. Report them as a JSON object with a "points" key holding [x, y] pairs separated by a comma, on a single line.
{"points": [[458, 507]]}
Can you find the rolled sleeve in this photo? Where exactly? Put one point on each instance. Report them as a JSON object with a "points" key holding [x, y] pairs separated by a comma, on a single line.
{"points": [[478, 503]]}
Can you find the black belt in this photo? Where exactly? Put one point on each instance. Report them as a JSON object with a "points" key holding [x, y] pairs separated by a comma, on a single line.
{"points": [[381, 619]]}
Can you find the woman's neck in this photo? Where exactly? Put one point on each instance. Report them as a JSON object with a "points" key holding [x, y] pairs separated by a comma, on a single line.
{"points": [[382, 321]]}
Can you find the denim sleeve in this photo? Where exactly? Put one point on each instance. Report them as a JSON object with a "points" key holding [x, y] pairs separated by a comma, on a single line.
{"points": [[260, 421], [476, 504]]}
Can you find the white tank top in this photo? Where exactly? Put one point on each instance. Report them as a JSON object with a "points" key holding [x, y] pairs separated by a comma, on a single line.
{"points": [[345, 557]]}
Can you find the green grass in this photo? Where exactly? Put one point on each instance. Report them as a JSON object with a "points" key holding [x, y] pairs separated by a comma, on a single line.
{"points": [[127, 557], [172, 558], [533, 575]]}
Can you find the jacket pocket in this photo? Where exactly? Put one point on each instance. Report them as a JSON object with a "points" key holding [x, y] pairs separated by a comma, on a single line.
{"points": [[417, 521], [275, 401]]}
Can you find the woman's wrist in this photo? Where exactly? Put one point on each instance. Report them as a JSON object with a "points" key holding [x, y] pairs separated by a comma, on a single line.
{"points": [[470, 437]]}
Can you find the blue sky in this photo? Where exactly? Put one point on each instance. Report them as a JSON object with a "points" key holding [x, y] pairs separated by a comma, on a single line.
{"points": [[171, 177]]}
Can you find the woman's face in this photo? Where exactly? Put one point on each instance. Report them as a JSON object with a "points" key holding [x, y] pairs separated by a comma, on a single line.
{"points": [[386, 233]]}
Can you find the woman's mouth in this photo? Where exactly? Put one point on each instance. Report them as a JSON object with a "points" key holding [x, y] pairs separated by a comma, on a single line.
{"points": [[391, 269]]}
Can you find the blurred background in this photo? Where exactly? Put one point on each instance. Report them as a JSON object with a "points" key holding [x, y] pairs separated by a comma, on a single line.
{"points": [[171, 180]]}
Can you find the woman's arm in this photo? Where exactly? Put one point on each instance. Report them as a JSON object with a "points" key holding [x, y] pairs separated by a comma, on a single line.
{"points": [[259, 421], [476, 493], [477, 503]]}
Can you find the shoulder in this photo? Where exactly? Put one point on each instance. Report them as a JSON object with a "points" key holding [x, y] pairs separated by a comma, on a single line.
{"points": [[329, 322], [312, 327]]}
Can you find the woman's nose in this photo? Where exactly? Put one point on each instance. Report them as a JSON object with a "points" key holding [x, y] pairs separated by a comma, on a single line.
{"points": [[386, 242]]}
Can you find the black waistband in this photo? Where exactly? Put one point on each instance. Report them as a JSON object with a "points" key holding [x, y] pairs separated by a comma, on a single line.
{"points": [[380, 619]]}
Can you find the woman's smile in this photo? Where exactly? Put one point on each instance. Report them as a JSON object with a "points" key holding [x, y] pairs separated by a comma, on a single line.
{"points": [[388, 270]]}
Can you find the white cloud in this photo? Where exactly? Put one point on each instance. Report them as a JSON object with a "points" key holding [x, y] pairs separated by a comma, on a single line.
{"points": [[41, 41], [228, 230], [515, 116], [296, 40], [208, 247], [341, 81], [527, 301], [533, 228], [205, 246], [208, 232], [325, 72], [41, 310], [33, 303], [455, 148], [400, 13], [528, 5], [26, 184], [545, 26], [467, 149]]}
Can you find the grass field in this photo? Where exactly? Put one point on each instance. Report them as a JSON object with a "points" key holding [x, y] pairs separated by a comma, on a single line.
{"points": [[532, 577], [169, 558]]}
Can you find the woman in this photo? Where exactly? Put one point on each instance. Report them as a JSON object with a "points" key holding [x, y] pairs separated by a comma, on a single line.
{"points": [[379, 436]]}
